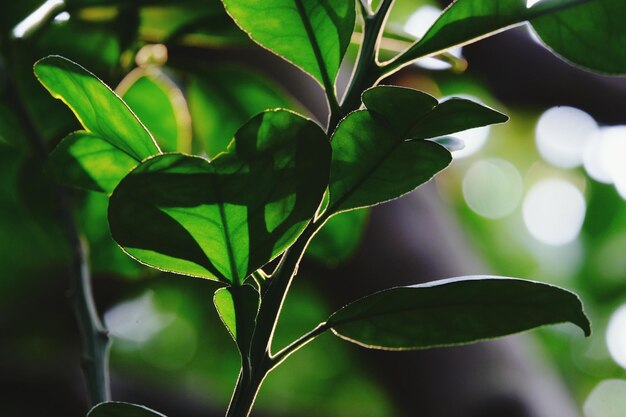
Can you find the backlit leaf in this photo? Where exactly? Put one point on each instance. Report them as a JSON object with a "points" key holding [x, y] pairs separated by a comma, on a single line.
{"points": [[312, 34], [226, 218], [238, 308], [454, 311], [591, 34]]}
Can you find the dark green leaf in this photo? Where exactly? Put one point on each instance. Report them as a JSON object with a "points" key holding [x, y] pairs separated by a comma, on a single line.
{"points": [[417, 115], [238, 308], [120, 409], [225, 219], [87, 161], [591, 35], [96, 106], [224, 98], [337, 241], [465, 21], [312, 34], [160, 105], [373, 164], [455, 311]]}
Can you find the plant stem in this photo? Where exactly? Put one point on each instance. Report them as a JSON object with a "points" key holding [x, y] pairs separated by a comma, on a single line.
{"points": [[261, 361], [367, 71], [94, 337]]}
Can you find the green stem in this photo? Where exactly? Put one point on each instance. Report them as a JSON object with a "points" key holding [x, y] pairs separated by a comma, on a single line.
{"points": [[94, 337], [261, 361], [367, 70]]}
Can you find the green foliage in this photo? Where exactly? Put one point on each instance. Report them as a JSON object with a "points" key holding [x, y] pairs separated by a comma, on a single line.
{"points": [[120, 409], [312, 34], [256, 190], [454, 311], [226, 218], [238, 308], [223, 98], [591, 34]]}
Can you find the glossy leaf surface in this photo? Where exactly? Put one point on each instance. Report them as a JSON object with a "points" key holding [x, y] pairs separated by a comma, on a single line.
{"points": [[417, 115], [121, 409], [87, 161], [465, 21], [372, 164], [455, 311], [160, 105], [312, 34], [223, 98], [227, 218], [96, 106], [238, 308], [591, 34]]}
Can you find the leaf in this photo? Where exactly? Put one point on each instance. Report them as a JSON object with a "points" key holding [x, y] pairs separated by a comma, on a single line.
{"points": [[337, 241], [373, 164], [312, 34], [466, 21], [96, 106], [417, 115], [121, 409], [87, 161], [160, 105], [238, 308], [226, 218], [454, 311], [591, 35], [223, 98]]}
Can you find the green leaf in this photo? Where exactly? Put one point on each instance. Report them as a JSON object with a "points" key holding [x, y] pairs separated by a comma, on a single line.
{"points": [[466, 21], [161, 106], [417, 115], [454, 311], [373, 164], [238, 308], [120, 409], [340, 237], [312, 34], [226, 218], [87, 161], [96, 106], [591, 35], [223, 98]]}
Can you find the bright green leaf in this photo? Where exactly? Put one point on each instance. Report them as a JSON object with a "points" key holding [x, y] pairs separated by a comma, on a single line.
{"points": [[454, 311], [222, 99], [337, 241], [87, 161], [591, 35], [465, 21], [238, 308], [160, 105], [312, 34], [96, 106], [120, 409], [373, 164], [226, 218]]}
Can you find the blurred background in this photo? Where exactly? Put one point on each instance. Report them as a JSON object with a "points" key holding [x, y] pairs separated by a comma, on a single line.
{"points": [[541, 197]]}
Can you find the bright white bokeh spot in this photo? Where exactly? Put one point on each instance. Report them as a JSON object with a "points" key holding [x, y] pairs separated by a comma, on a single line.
{"points": [[421, 20], [562, 135], [616, 336], [492, 188], [608, 399], [615, 156], [474, 140], [554, 211], [62, 17], [418, 24], [136, 321], [596, 158], [531, 3], [32, 20]]}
